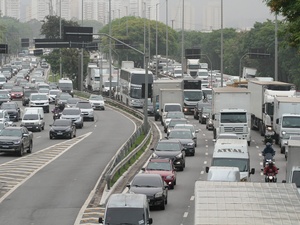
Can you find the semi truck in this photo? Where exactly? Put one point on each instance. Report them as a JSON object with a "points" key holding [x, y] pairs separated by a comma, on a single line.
{"points": [[245, 203], [293, 163], [192, 94], [262, 102], [93, 77], [287, 119], [249, 73], [192, 66], [163, 84], [230, 112]]}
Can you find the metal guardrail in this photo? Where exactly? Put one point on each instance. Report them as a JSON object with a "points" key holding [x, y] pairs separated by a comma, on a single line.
{"points": [[124, 156]]}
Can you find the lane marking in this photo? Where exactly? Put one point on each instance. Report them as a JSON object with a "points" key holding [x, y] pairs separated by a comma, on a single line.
{"points": [[202, 172], [192, 198], [185, 214], [205, 162], [206, 153]]}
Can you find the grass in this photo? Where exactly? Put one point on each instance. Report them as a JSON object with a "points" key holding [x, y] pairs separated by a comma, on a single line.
{"points": [[51, 76]]}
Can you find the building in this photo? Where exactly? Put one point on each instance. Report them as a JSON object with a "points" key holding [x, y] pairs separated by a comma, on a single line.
{"points": [[10, 8]]}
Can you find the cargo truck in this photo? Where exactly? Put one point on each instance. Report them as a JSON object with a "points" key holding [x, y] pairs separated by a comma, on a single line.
{"points": [[245, 203], [192, 94], [293, 163], [163, 84], [93, 77], [262, 102], [230, 112], [287, 119], [167, 96], [192, 66]]}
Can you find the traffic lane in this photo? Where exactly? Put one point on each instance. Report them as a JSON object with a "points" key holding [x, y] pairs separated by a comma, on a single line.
{"points": [[41, 139], [56, 193]]}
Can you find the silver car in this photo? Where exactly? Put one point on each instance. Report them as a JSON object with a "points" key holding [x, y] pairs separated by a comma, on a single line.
{"points": [[73, 114], [86, 110], [191, 128]]}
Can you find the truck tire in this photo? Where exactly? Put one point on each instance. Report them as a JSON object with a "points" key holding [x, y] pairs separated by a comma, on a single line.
{"points": [[215, 133], [282, 150], [248, 142]]}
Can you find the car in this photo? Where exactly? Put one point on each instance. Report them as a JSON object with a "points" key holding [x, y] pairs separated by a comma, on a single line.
{"points": [[204, 114], [186, 138], [16, 92], [163, 167], [191, 128], [52, 95], [26, 95], [53, 85], [209, 124], [97, 102], [172, 115], [173, 122], [62, 128], [16, 140], [62, 97], [8, 86], [198, 107], [73, 114], [13, 110], [153, 186], [150, 109], [4, 117], [3, 125], [172, 149], [71, 102], [86, 110], [44, 65], [39, 100], [4, 98]]}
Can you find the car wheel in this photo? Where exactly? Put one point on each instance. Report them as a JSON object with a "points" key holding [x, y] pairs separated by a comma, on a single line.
{"points": [[282, 150], [71, 135], [174, 182], [93, 119], [172, 186], [74, 134], [30, 148], [50, 136], [162, 206], [40, 129], [21, 151], [166, 200]]}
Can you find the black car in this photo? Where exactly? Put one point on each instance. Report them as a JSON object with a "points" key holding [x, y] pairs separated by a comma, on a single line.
{"points": [[198, 107], [153, 186], [172, 149], [62, 128], [13, 110], [204, 114], [186, 138], [4, 98], [26, 94]]}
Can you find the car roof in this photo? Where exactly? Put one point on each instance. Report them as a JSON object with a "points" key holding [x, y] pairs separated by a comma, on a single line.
{"points": [[148, 175], [169, 141], [13, 128]]}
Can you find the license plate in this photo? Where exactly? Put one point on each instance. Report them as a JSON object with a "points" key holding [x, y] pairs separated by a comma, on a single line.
{"points": [[59, 133], [5, 146]]}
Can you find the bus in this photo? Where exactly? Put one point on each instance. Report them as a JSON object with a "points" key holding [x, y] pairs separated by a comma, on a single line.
{"points": [[132, 84]]}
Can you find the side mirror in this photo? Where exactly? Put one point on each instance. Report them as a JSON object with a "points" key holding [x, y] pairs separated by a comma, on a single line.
{"points": [[196, 131], [214, 140], [150, 221], [161, 110], [25, 135], [284, 181], [252, 171], [277, 121], [167, 137], [152, 149], [206, 169], [143, 169], [213, 117], [128, 185], [100, 220], [50, 125]]}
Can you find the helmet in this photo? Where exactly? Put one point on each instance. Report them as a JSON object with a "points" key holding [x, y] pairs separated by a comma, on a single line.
{"points": [[268, 144], [61, 105]]}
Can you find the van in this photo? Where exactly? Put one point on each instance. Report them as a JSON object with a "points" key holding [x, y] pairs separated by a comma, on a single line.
{"points": [[233, 153], [222, 173], [33, 119], [127, 208]]}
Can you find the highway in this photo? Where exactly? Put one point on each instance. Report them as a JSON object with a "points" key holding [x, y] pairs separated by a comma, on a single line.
{"points": [[50, 185]]}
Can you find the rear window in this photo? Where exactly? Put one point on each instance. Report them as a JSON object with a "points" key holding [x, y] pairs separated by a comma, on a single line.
{"points": [[169, 108], [84, 105]]}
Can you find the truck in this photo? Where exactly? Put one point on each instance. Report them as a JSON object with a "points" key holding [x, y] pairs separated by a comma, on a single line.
{"points": [[167, 96], [93, 77], [230, 112], [262, 102], [163, 84], [293, 163], [249, 72], [192, 66], [192, 94], [287, 119], [245, 203]]}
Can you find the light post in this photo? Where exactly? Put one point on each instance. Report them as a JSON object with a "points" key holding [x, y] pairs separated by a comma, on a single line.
{"points": [[156, 42], [81, 67], [60, 63], [144, 16], [126, 20], [167, 36], [182, 40], [109, 49], [276, 48], [222, 72], [149, 30]]}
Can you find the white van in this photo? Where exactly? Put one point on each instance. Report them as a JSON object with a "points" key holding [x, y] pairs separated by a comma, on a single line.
{"points": [[233, 153], [39, 110], [224, 173], [33, 119], [127, 208]]}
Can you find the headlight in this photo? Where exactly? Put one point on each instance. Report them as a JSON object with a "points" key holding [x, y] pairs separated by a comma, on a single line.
{"points": [[269, 128], [283, 132], [169, 177], [190, 144], [158, 195], [71, 91], [17, 142], [179, 156], [68, 129], [169, 130]]}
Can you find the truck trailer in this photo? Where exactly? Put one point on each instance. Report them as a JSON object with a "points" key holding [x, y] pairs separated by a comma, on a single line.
{"points": [[230, 110], [262, 102], [93, 77], [230, 203]]}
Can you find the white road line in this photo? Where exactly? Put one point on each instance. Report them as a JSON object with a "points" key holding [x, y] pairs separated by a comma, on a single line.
{"points": [[206, 146], [259, 154], [203, 134], [205, 162], [262, 173], [261, 163], [192, 198], [206, 153], [202, 172], [95, 125], [185, 214], [38, 136], [257, 146]]}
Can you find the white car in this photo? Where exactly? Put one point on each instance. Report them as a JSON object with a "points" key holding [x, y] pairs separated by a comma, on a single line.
{"points": [[39, 100], [97, 102], [52, 95], [87, 110]]}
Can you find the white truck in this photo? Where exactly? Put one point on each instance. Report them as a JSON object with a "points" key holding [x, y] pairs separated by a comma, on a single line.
{"points": [[262, 102], [192, 66], [293, 163], [286, 119], [192, 94], [230, 110], [245, 203], [163, 84], [169, 96], [249, 72], [93, 77]]}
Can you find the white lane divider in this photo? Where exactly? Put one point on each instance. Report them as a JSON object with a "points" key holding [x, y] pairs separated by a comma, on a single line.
{"points": [[185, 214], [202, 172], [206, 153], [205, 162], [206, 146], [257, 146]]}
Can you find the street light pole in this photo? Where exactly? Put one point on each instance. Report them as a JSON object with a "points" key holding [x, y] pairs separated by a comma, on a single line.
{"points": [[156, 43], [240, 71], [222, 72], [276, 48], [81, 67], [60, 63], [182, 40], [167, 36], [109, 49]]}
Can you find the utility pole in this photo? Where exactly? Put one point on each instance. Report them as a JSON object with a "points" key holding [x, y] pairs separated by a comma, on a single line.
{"points": [[172, 23]]}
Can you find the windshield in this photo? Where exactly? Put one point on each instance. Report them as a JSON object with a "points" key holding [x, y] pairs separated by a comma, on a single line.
{"points": [[175, 115], [135, 92], [30, 117], [165, 146], [16, 89], [61, 122], [180, 134], [206, 110], [65, 86], [11, 132], [71, 112], [140, 79], [296, 178], [193, 95], [2, 79], [233, 118], [291, 122], [242, 164], [39, 97], [169, 108], [54, 92], [174, 122], [113, 84], [194, 67], [125, 215], [96, 97], [8, 106], [3, 96], [185, 126], [270, 109], [64, 97], [1, 126], [84, 105], [159, 166]]}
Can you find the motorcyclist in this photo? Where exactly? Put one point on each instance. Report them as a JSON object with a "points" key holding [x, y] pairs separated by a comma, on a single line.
{"points": [[268, 153], [61, 106], [56, 109], [270, 169]]}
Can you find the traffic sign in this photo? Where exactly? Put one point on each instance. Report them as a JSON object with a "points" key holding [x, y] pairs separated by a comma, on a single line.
{"points": [[37, 52], [24, 42], [51, 43], [78, 34], [193, 53], [258, 53], [3, 49]]}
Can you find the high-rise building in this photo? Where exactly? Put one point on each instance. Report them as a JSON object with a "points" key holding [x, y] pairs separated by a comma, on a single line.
{"points": [[11, 8], [38, 9], [211, 17]]}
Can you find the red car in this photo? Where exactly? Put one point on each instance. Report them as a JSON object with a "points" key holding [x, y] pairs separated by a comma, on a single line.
{"points": [[16, 92], [163, 167]]}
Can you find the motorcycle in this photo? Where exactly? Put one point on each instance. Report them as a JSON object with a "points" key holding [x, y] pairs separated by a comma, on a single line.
{"points": [[271, 178], [56, 115]]}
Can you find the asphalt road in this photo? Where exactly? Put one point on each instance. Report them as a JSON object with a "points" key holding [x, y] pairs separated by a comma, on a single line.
{"points": [[62, 177]]}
